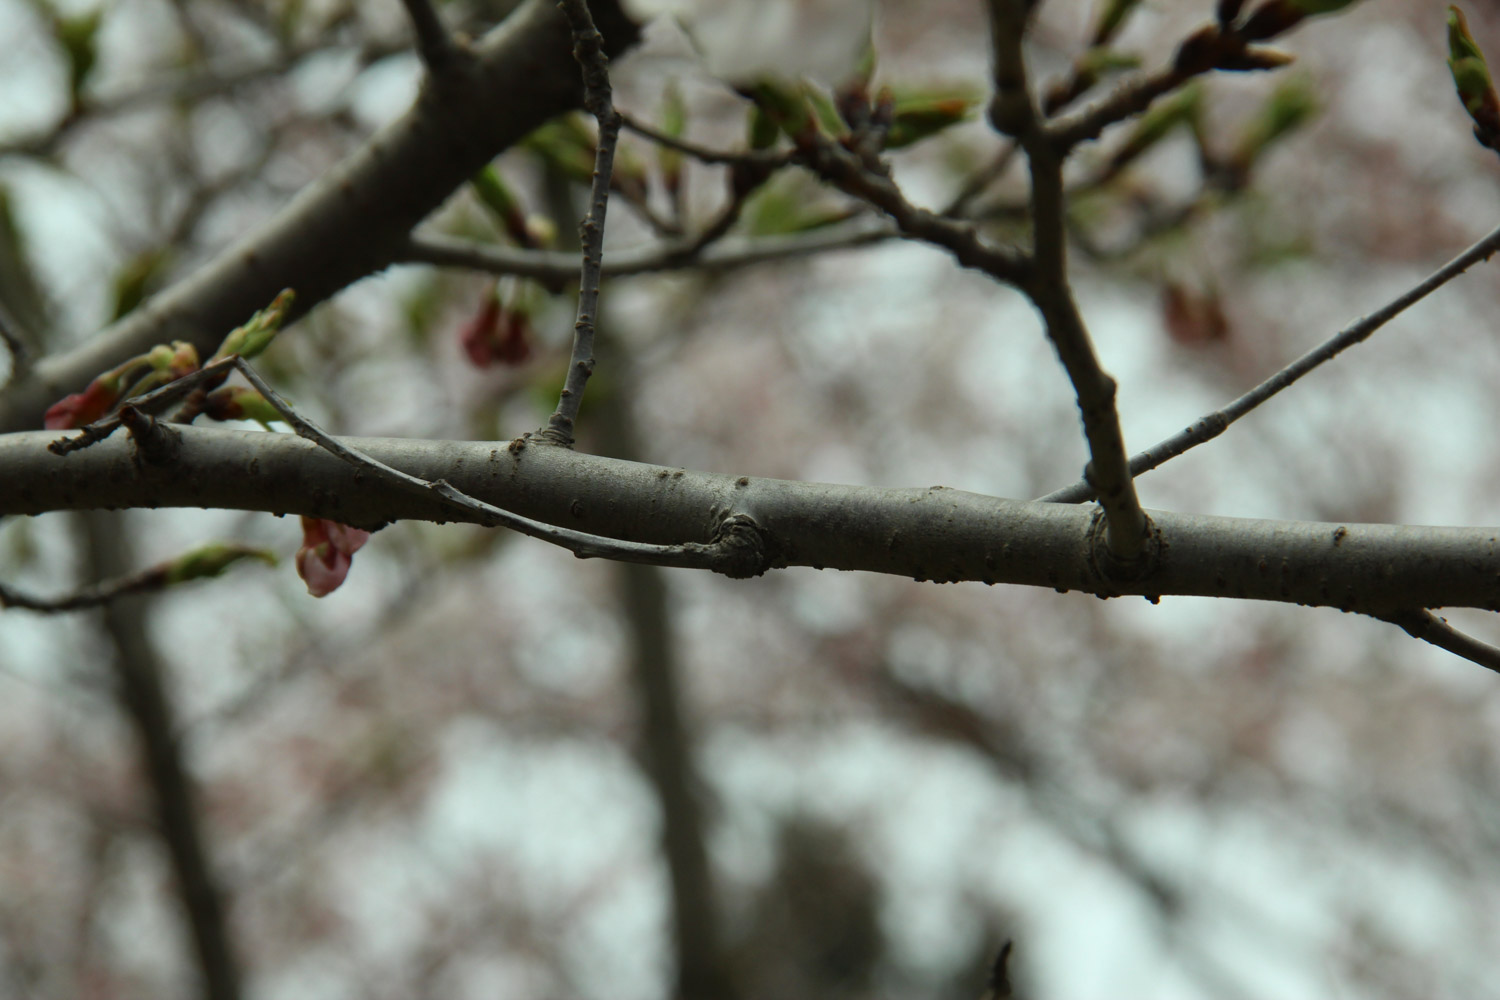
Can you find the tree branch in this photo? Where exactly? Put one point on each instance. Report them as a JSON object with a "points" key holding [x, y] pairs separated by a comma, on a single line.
{"points": [[1013, 111], [1428, 627], [588, 49], [697, 253], [928, 534], [368, 205], [1208, 427], [434, 44], [733, 549]]}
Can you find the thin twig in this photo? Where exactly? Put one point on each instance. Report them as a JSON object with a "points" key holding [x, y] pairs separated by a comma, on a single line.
{"points": [[588, 49], [184, 87], [1208, 427], [979, 181], [91, 596], [698, 253], [766, 158], [853, 176], [434, 44], [15, 345], [149, 580], [1423, 624], [151, 403], [1130, 98], [734, 552]]}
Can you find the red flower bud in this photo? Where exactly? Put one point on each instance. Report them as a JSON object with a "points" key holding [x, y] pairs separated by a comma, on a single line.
{"points": [[82, 408], [496, 334], [326, 554]]}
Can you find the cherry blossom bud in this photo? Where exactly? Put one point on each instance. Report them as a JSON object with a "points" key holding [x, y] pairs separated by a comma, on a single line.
{"points": [[326, 554]]}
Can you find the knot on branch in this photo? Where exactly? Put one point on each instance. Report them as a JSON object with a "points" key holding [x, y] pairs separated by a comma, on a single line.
{"points": [[154, 442], [1110, 568], [743, 547]]}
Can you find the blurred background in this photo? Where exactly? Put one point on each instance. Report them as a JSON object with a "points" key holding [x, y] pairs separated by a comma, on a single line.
{"points": [[483, 768]]}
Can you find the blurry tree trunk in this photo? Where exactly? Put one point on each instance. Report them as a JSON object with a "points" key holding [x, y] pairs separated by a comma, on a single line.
{"points": [[141, 689], [666, 743]]}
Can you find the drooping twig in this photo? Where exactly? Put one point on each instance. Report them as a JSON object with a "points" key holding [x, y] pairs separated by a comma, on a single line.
{"points": [[1423, 624], [1208, 427], [91, 596], [434, 44], [588, 49], [735, 551]]}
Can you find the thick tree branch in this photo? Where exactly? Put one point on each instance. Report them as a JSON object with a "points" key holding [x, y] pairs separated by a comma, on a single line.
{"points": [[929, 534], [521, 76]]}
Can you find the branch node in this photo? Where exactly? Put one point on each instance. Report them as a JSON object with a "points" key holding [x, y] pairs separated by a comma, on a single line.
{"points": [[744, 548], [154, 442], [1109, 567]]}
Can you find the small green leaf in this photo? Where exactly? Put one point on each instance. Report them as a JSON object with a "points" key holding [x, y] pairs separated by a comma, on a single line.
{"points": [[917, 118]]}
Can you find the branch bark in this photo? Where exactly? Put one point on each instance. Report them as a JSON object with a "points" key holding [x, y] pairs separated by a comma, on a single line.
{"points": [[930, 534]]}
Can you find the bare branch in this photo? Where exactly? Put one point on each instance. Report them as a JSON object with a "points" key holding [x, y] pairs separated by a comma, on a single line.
{"points": [[1130, 98], [850, 174], [1208, 427], [150, 580], [185, 87], [434, 44], [588, 49], [702, 253], [1013, 111], [765, 158], [1428, 627]]}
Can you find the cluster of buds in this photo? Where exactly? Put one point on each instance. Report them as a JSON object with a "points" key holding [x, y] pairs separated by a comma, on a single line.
{"points": [[852, 116], [500, 330], [1227, 44], [162, 364]]}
